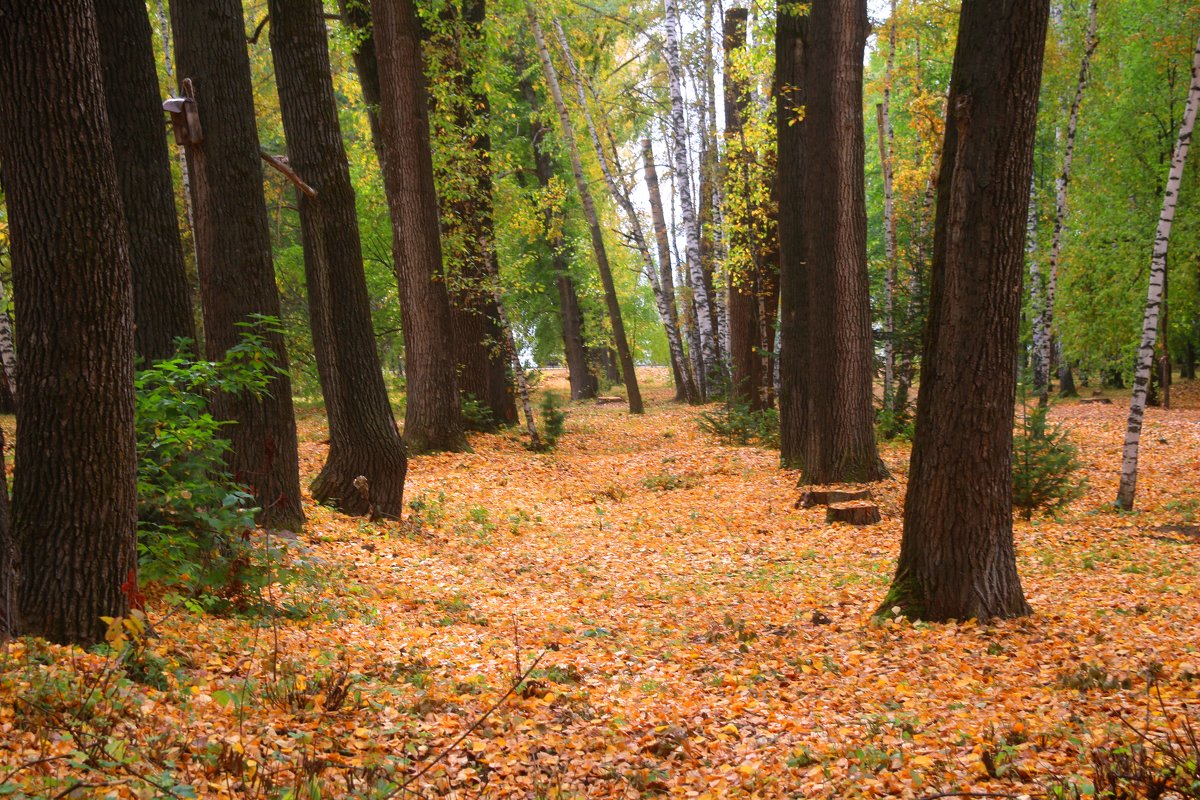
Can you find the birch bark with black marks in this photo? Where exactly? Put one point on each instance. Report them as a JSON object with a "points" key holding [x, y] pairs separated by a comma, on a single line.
{"points": [[514, 358], [1154, 294], [704, 317], [589, 209], [614, 178], [8, 351], [1037, 294]]}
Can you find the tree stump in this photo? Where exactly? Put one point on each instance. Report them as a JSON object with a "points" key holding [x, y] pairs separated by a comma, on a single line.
{"points": [[855, 513], [1101, 401], [824, 497], [604, 400]]}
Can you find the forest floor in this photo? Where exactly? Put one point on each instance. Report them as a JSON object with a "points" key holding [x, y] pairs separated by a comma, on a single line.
{"points": [[694, 636]]}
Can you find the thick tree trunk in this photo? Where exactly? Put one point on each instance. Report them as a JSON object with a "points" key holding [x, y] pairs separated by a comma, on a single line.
{"points": [[472, 273], [1044, 323], [840, 445], [621, 196], [162, 303], [356, 15], [589, 210], [790, 30], [363, 439], [584, 385], [956, 558], [712, 373], [743, 278], [74, 499], [1158, 267], [433, 417], [233, 244]]}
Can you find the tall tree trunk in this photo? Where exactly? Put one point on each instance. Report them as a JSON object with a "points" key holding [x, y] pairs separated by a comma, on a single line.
{"points": [[621, 196], [840, 446], [1037, 297], [356, 15], [742, 278], [887, 140], [75, 495], [1158, 268], [790, 31], [712, 372], [510, 347], [363, 439], [589, 210], [956, 554], [233, 244], [686, 387], [584, 385], [433, 417], [164, 29], [1044, 323], [162, 303], [472, 269]]}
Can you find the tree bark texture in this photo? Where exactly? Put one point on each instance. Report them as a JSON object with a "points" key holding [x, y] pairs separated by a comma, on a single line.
{"points": [[712, 372], [356, 15], [957, 558], [162, 303], [1044, 322], [233, 244], [363, 438], [74, 499], [584, 385], [589, 209], [433, 417], [840, 442], [1154, 293], [472, 268], [790, 34]]}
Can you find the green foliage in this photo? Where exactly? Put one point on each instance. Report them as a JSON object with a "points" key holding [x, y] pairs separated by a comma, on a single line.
{"points": [[194, 520], [736, 424], [1045, 465], [891, 426], [477, 416], [554, 419]]}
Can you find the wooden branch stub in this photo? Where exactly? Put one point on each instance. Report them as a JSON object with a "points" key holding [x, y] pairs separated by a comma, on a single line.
{"points": [[856, 513], [823, 497], [289, 173]]}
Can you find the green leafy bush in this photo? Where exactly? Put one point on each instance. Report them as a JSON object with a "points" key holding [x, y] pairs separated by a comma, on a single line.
{"points": [[736, 424], [194, 520], [1045, 465]]}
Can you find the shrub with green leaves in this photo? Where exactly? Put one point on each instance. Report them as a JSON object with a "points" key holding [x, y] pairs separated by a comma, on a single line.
{"points": [[736, 424], [195, 521], [1045, 465], [477, 416]]}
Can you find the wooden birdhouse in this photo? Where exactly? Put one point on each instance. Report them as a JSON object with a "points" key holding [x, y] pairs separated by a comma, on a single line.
{"points": [[185, 117]]}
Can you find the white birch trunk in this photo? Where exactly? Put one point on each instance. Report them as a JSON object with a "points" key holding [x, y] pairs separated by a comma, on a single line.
{"points": [[8, 352], [535, 442], [1044, 322], [704, 321], [620, 194], [887, 138], [1158, 267], [1037, 300]]}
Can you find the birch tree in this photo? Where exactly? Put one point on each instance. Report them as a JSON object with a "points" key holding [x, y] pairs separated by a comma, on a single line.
{"points": [[887, 140], [704, 317], [1154, 294]]}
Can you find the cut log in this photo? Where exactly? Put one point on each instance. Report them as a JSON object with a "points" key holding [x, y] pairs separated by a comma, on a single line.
{"points": [[1099, 401], [607, 400], [857, 513], [824, 497]]}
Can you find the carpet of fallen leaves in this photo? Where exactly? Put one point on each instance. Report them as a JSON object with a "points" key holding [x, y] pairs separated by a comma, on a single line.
{"points": [[694, 636]]}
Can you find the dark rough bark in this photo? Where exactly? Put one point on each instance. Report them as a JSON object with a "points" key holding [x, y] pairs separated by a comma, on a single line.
{"points": [[233, 245], [433, 418], [584, 385], [957, 559], [790, 172], [746, 369], [356, 15], [75, 493], [162, 303], [363, 439], [472, 272], [840, 445]]}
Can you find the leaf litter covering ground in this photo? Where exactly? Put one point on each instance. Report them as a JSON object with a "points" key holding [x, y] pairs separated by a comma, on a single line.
{"points": [[698, 637]]}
